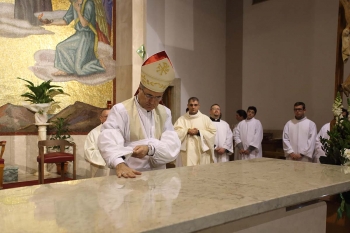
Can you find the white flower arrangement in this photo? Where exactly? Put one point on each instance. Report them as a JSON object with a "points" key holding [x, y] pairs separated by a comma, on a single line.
{"points": [[346, 155]]}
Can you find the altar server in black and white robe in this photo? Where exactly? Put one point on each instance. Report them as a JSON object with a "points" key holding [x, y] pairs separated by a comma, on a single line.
{"points": [[223, 139]]}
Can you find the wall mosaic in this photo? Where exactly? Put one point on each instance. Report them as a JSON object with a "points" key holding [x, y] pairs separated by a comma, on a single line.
{"points": [[48, 50]]}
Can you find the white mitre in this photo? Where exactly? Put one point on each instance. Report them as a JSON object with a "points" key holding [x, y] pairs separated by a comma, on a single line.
{"points": [[157, 72]]}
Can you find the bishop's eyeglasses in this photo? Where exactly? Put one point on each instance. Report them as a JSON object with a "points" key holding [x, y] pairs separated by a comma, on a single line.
{"points": [[151, 97]]}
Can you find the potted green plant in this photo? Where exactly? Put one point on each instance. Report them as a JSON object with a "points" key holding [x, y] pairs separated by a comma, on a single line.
{"points": [[337, 149], [60, 128], [41, 98]]}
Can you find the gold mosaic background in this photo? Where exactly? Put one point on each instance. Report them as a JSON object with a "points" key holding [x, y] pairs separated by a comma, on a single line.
{"points": [[18, 55]]}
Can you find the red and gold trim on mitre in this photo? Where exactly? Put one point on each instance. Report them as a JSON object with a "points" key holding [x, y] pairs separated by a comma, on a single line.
{"points": [[157, 72]]}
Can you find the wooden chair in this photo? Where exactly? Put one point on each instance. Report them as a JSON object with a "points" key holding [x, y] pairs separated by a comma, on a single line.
{"points": [[60, 156], [2, 162]]}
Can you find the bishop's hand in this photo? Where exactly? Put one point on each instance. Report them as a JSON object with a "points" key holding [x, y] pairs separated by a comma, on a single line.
{"points": [[140, 151], [122, 170]]}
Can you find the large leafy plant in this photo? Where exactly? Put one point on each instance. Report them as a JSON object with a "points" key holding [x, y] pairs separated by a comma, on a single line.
{"points": [[338, 142], [61, 130], [337, 148], [42, 93]]}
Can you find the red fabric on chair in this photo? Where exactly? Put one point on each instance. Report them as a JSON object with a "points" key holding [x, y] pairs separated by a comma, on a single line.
{"points": [[56, 157], [59, 156], [2, 165]]}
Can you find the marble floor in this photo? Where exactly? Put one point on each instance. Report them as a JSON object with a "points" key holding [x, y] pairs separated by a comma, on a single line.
{"points": [[26, 176], [29, 177]]}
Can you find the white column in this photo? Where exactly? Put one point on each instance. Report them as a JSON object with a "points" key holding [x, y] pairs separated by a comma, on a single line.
{"points": [[42, 135]]}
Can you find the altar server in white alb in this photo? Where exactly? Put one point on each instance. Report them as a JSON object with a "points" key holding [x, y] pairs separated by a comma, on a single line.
{"points": [[197, 135], [240, 116], [318, 145], [324, 134], [299, 136], [138, 134], [92, 153], [248, 136], [223, 147]]}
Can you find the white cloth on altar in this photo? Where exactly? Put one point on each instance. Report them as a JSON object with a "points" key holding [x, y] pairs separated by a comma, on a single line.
{"points": [[318, 145], [114, 140], [223, 139], [92, 154], [249, 133], [299, 136], [195, 149]]}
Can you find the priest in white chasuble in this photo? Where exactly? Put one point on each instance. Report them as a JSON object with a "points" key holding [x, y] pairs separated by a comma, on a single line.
{"points": [[299, 136], [197, 135], [138, 134], [248, 136], [223, 147]]}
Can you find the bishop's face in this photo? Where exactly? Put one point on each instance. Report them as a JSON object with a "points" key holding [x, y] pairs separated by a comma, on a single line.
{"points": [[148, 99], [193, 107]]}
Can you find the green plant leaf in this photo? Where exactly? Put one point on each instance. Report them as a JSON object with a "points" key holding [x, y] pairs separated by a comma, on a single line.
{"points": [[42, 93]]}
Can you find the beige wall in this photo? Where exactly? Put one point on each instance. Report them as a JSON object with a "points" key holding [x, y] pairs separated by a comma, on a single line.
{"points": [[193, 33], [236, 54], [289, 50]]}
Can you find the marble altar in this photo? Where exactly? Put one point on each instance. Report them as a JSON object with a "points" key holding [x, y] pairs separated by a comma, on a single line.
{"points": [[183, 199]]}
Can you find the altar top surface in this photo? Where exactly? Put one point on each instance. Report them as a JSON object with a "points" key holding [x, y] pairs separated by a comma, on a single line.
{"points": [[174, 200]]}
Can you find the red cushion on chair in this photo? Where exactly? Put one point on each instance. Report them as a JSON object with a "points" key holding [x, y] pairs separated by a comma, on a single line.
{"points": [[56, 157], [2, 161]]}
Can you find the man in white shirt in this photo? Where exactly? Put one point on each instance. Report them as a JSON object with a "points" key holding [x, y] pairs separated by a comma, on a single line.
{"points": [[324, 134], [248, 136], [138, 134], [240, 116], [223, 139], [299, 136], [197, 135], [91, 152]]}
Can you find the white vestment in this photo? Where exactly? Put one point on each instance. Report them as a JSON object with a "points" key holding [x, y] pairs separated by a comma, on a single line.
{"points": [[117, 133], [196, 149], [92, 154], [299, 137], [318, 145], [249, 133], [236, 155], [223, 139]]}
